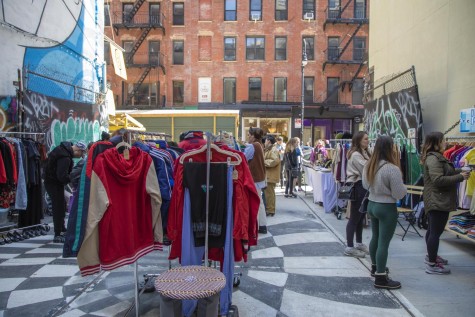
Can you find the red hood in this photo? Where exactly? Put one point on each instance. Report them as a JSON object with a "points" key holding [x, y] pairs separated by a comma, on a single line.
{"points": [[126, 171]]}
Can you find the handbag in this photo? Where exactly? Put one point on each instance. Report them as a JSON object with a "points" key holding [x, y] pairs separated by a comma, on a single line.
{"points": [[294, 172], [346, 191]]}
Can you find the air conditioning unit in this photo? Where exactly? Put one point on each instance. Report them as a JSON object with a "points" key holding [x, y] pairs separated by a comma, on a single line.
{"points": [[308, 16], [255, 17]]}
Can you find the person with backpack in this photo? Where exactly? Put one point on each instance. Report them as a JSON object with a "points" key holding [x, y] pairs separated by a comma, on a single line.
{"points": [[57, 175], [382, 177], [440, 197]]}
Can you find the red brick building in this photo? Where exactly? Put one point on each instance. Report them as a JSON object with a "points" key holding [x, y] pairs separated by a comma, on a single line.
{"points": [[245, 55]]}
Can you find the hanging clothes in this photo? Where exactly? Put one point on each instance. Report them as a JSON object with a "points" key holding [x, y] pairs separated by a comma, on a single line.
{"points": [[245, 206], [124, 221]]}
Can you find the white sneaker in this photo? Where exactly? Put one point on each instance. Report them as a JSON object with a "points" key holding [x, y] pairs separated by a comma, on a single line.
{"points": [[362, 247], [354, 252]]}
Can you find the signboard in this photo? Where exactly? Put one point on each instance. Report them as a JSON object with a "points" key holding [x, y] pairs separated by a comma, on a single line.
{"points": [[204, 89], [467, 120], [298, 123], [110, 103], [118, 61]]}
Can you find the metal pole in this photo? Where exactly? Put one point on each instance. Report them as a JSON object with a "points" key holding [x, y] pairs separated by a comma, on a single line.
{"points": [[302, 113]]}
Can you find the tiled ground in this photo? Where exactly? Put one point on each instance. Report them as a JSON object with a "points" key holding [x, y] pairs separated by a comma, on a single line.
{"points": [[296, 270]]}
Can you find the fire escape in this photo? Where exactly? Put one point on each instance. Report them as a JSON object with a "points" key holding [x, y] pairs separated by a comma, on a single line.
{"points": [[336, 14], [131, 19]]}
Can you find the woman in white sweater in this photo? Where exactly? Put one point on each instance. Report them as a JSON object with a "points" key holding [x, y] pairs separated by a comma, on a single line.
{"points": [[358, 155], [383, 178]]}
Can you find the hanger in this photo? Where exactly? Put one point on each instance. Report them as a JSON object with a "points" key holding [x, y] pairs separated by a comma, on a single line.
{"points": [[126, 151], [213, 147]]}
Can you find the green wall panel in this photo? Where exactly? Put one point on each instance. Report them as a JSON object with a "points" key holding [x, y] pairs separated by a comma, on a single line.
{"points": [[156, 124]]}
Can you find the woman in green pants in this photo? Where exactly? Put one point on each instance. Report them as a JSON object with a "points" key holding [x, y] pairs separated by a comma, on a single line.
{"points": [[383, 178]]}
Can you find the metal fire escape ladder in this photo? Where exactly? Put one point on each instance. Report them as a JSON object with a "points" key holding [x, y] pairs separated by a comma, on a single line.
{"points": [[346, 6], [137, 86], [356, 74], [350, 40], [137, 44], [135, 9]]}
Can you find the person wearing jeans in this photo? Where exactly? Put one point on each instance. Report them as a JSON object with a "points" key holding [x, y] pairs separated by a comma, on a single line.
{"points": [[358, 155], [440, 196], [383, 178]]}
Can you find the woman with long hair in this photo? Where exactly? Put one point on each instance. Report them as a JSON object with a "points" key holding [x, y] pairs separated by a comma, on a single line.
{"points": [[291, 163], [440, 196], [383, 178], [358, 155], [254, 153]]}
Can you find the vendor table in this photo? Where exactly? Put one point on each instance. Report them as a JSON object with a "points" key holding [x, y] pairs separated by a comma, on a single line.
{"points": [[324, 187]]}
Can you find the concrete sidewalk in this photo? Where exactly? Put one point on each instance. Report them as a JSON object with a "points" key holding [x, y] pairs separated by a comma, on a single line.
{"points": [[297, 269], [422, 293]]}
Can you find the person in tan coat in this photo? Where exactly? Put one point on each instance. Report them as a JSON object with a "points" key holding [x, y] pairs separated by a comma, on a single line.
{"points": [[272, 164]]}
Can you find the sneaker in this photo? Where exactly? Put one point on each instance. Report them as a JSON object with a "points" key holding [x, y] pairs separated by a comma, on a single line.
{"points": [[58, 239], [362, 247], [354, 252], [437, 260], [437, 268], [262, 229]]}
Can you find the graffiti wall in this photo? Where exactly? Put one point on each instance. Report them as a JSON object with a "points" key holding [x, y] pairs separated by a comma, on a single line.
{"points": [[398, 115], [62, 120], [8, 111], [59, 46]]}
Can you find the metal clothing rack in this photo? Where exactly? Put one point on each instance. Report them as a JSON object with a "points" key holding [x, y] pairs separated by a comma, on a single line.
{"points": [[136, 303], [35, 136]]}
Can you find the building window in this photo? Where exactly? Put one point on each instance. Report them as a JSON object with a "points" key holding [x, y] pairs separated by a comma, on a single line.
{"points": [[332, 89], [280, 89], [333, 48], [360, 9], [334, 9], [280, 48], [281, 10], [308, 89], [255, 48], [359, 46], [308, 7], [127, 12], [107, 15], [255, 89], [128, 46], [145, 94], [107, 53], [154, 13], [178, 92], [154, 53], [229, 90], [357, 91], [178, 13], [230, 10], [310, 47], [229, 48], [178, 49], [255, 12]]}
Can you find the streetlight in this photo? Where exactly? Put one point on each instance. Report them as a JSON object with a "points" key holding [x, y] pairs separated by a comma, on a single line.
{"points": [[304, 63]]}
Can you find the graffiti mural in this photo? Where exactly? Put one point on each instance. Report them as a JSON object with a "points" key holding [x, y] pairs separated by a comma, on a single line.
{"points": [[62, 120], [398, 115], [8, 111]]}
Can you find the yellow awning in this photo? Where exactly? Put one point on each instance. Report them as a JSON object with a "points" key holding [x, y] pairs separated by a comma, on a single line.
{"points": [[125, 121]]}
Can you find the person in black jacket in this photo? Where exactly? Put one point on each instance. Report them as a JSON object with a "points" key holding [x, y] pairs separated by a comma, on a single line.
{"points": [[57, 174], [291, 166]]}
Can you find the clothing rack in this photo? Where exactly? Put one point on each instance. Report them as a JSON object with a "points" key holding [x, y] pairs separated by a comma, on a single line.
{"points": [[35, 135], [136, 274]]}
